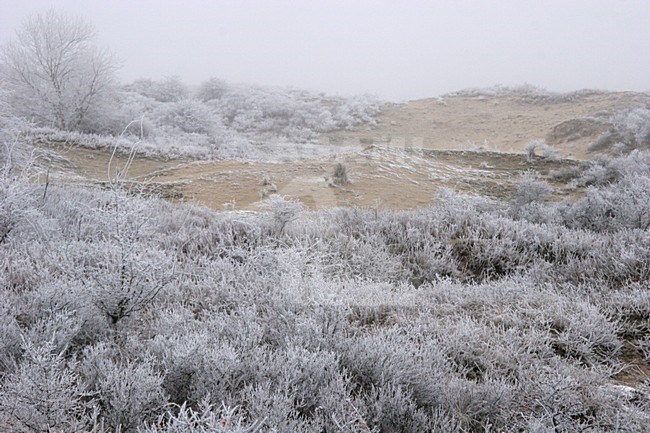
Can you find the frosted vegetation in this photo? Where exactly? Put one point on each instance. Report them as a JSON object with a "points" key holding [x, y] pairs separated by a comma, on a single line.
{"points": [[123, 312], [217, 120], [54, 76], [525, 93], [630, 129]]}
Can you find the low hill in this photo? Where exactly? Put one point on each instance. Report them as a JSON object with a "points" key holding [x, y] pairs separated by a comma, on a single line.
{"points": [[499, 120]]}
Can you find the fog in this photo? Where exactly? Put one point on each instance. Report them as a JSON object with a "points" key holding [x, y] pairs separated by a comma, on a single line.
{"points": [[397, 51]]}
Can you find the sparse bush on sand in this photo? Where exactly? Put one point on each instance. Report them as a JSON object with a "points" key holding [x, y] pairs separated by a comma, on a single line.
{"points": [[537, 148], [340, 176]]}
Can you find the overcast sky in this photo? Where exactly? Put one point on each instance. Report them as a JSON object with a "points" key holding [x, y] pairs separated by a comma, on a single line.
{"points": [[397, 49]]}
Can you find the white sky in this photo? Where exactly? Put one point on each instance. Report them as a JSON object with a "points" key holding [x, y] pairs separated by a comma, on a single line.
{"points": [[398, 49]]}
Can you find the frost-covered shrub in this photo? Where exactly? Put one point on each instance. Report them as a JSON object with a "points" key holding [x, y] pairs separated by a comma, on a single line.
{"points": [[207, 359], [6, 113], [351, 112], [529, 201], [296, 115], [633, 125], [604, 141], [206, 418], [530, 189], [386, 357], [269, 111], [127, 114], [391, 408], [604, 169], [129, 392], [623, 205], [15, 201], [172, 143], [170, 89], [631, 310], [363, 258], [565, 175], [187, 116], [539, 146], [630, 128], [281, 211], [45, 394], [340, 176], [291, 388], [213, 88], [49, 137], [124, 273], [124, 279], [18, 198], [10, 345], [219, 121]]}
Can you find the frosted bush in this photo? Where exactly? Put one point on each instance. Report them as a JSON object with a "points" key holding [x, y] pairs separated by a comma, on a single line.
{"points": [[631, 309], [604, 170], [11, 344], [49, 136], [625, 204], [170, 89], [391, 408], [129, 392], [539, 146], [44, 394], [281, 211], [219, 121], [206, 418], [633, 125], [188, 116], [366, 259], [351, 112], [530, 189], [18, 197], [213, 88], [289, 113], [130, 116], [16, 202]]}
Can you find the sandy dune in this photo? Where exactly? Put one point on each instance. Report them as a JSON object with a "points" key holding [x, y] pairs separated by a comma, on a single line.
{"points": [[499, 123]]}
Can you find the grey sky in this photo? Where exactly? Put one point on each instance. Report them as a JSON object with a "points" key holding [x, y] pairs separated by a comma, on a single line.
{"points": [[394, 49]]}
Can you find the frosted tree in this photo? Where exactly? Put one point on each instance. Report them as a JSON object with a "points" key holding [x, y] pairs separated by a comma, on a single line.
{"points": [[55, 72], [214, 88]]}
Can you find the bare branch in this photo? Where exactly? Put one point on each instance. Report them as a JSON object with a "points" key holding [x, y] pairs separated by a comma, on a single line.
{"points": [[56, 72]]}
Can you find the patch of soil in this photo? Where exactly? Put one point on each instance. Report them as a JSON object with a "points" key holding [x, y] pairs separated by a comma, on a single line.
{"points": [[384, 177], [636, 368], [576, 129], [93, 164]]}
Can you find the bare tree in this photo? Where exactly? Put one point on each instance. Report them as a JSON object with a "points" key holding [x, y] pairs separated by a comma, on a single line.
{"points": [[54, 70]]}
